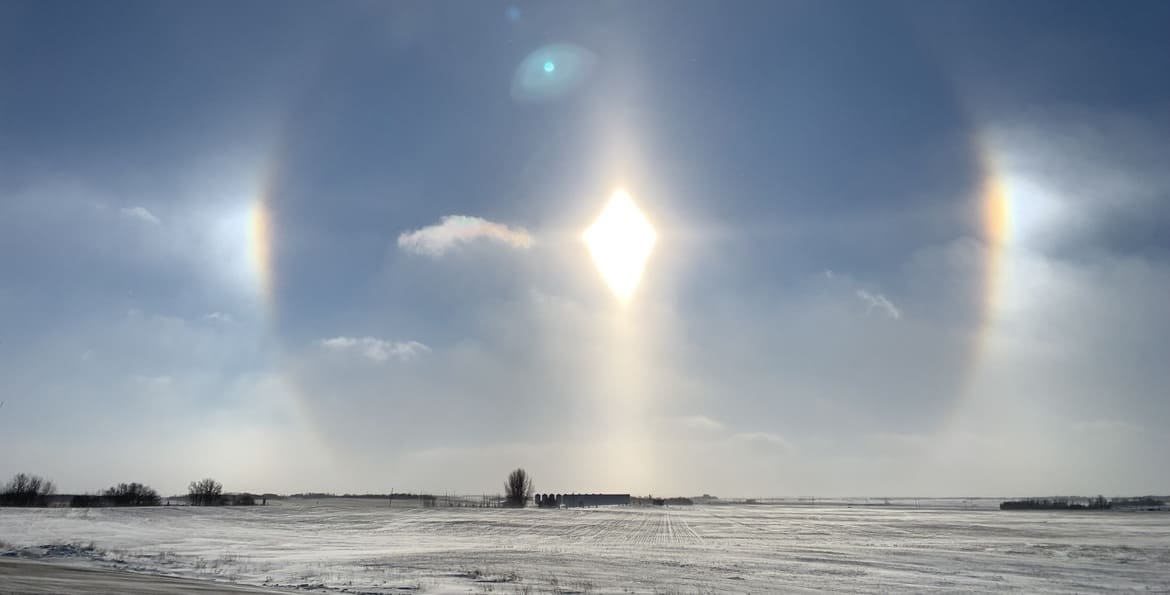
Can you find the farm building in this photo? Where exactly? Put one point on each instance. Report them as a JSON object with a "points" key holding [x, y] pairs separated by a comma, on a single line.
{"points": [[582, 500]]}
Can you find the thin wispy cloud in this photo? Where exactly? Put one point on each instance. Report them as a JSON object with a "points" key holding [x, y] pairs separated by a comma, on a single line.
{"points": [[140, 214], [454, 231], [221, 317], [376, 350], [879, 302], [700, 423], [763, 441]]}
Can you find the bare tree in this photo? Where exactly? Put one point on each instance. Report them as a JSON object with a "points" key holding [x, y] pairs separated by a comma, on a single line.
{"points": [[25, 489], [518, 488], [205, 492], [132, 494]]}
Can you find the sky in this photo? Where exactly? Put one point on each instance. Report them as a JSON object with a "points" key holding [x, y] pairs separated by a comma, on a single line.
{"points": [[902, 248]]}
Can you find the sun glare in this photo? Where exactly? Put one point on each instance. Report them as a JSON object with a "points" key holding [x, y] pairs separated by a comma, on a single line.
{"points": [[620, 241]]}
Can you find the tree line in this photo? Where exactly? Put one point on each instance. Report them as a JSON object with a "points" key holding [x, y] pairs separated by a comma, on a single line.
{"points": [[26, 489], [1098, 503]]}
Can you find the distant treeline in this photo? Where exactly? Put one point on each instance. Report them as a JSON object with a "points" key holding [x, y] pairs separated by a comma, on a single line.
{"points": [[652, 501], [123, 494], [1098, 503], [392, 496], [1072, 503], [26, 489], [1142, 502]]}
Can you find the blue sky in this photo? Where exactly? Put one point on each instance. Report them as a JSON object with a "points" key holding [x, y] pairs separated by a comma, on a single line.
{"points": [[828, 310]]}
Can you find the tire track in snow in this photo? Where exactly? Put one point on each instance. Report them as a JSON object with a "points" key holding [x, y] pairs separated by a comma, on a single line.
{"points": [[670, 528], [648, 530], [694, 535]]}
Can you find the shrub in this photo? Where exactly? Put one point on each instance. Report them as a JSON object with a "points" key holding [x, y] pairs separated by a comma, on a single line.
{"points": [[205, 492]]}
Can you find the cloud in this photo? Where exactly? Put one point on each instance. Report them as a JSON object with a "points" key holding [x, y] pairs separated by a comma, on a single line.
{"points": [[763, 441], [454, 230], [219, 317], [879, 301], [700, 423], [141, 214], [376, 350]]}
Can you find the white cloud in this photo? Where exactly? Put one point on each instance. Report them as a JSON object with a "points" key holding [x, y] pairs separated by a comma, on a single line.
{"points": [[141, 214], [700, 423], [376, 350], [763, 441], [454, 230], [879, 301], [219, 317]]}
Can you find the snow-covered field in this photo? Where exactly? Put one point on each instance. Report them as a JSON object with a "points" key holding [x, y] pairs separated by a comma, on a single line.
{"points": [[362, 546]]}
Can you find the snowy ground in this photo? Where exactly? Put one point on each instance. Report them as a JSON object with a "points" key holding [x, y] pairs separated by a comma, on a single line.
{"points": [[361, 546], [23, 577]]}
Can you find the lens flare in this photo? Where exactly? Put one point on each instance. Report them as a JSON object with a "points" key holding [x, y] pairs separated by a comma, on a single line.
{"points": [[551, 72], [620, 241]]}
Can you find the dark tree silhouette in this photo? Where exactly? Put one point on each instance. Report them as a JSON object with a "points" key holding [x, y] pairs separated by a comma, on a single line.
{"points": [[27, 490], [131, 494], [518, 488], [205, 492]]}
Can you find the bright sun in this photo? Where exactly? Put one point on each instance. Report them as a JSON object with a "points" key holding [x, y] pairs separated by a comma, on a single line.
{"points": [[620, 241]]}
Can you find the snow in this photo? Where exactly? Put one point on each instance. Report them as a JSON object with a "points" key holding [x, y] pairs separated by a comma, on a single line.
{"points": [[361, 546]]}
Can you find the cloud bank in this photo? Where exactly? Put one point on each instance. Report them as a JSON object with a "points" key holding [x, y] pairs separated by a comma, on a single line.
{"points": [[456, 230]]}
